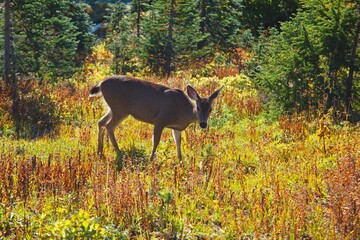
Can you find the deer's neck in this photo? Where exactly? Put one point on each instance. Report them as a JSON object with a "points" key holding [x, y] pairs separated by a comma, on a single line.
{"points": [[193, 114]]}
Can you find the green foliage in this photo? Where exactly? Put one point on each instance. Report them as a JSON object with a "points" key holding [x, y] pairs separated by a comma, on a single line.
{"points": [[221, 21], [306, 64], [155, 31], [49, 35], [138, 8], [200, 28], [79, 226], [267, 13], [187, 34], [41, 111], [38, 114], [244, 177], [166, 198], [241, 99], [2, 50], [121, 40], [81, 20]]}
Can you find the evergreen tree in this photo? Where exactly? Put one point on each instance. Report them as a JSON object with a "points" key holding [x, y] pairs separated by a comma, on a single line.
{"points": [[307, 64], [11, 86], [139, 7], [121, 39], [177, 32], [6, 42], [267, 13], [155, 41], [188, 35], [50, 34], [169, 48], [81, 20], [220, 23]]}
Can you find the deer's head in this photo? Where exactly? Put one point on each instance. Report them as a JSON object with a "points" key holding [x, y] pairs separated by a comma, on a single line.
{"points": [[203, 105]]}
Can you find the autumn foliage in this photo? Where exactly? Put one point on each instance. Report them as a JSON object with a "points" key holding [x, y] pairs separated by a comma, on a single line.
{"points": [[247, 177]]}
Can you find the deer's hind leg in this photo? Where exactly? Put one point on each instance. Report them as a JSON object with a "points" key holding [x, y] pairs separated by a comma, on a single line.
{"points": [[110, 126], [101, 131]]}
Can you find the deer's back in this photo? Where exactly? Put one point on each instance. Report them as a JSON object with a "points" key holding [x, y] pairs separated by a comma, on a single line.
{"points": [[146, 101]]}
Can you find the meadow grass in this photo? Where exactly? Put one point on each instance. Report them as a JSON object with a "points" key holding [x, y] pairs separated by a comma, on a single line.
{"points": [[246, 177]]}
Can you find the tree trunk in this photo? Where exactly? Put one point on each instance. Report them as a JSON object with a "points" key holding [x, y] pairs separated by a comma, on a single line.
{"points": [[350, 79], [7, 46], [203, 4], [169, 43], [138, 19], [9, 77]]}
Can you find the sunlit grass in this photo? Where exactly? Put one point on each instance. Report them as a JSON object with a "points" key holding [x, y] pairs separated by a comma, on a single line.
{"points": [[246, 177]]}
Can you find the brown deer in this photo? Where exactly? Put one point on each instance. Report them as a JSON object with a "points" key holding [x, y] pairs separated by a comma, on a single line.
{"points": [[152, 103]]}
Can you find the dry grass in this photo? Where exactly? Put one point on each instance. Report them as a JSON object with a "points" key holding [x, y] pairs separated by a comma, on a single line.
{"points": [[245, 178]]}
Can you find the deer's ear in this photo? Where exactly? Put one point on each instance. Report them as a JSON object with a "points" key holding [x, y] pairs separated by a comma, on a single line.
{"points": [[192, 93], [215, 94]]}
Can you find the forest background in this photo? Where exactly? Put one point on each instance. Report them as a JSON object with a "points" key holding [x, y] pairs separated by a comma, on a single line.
{"points": [[281, 159]]}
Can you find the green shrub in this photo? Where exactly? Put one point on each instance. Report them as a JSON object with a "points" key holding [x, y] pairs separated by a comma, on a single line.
{"points": [[37, 112], [82, 226]]}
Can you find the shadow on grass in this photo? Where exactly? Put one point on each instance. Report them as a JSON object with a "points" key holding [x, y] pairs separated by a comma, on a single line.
{"points": [[133, 158]]}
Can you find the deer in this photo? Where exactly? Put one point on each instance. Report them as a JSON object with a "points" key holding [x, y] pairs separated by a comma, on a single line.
{"points": [[152, 103]]}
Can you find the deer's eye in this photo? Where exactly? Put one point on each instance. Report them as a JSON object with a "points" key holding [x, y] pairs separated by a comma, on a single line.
{"points": [[210, 109]]}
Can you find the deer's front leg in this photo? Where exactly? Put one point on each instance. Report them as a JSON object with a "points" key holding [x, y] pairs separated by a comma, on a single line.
{"points": [[177, 139], [156, 139]]}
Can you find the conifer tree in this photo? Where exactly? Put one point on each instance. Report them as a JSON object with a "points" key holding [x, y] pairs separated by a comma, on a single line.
{"points": [[157, 50], [139, 7], [266, 13], [220, 22], [8, 58], [50, 35], [308, 63], [121, 39], [188, 35]]}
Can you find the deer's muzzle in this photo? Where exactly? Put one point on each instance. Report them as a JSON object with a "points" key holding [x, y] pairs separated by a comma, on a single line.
{"points": [[203, 125]]}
